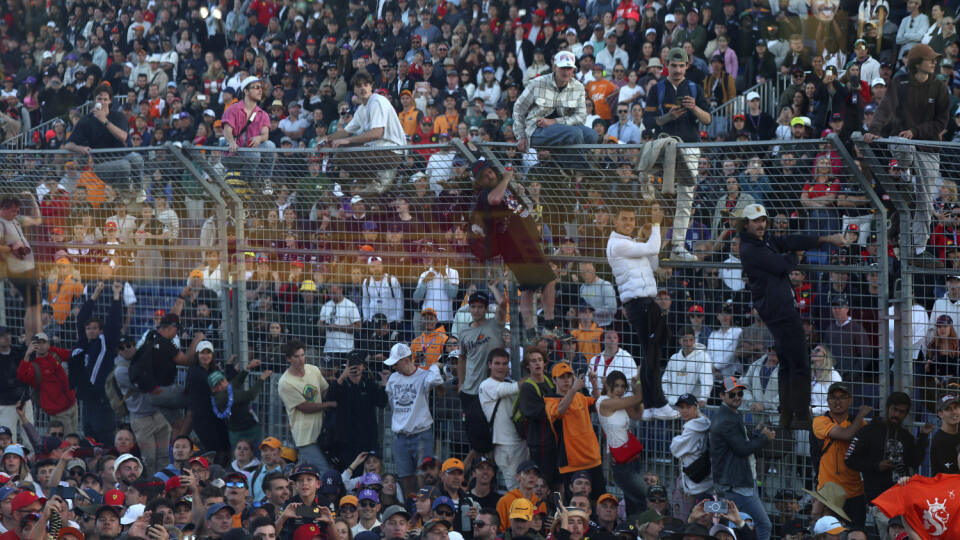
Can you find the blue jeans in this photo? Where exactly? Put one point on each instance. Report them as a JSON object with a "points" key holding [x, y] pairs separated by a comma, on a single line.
{"points": [[99, 421], [409, 450], [312, 455], [561, 135], [751, 504], [629, 477], [257, 165]]}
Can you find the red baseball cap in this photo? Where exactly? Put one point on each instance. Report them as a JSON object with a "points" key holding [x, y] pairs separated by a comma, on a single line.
{"points": [[307, 532], [200, 460], [172, 483], [695, 309], [113, 497], [25, 499]]}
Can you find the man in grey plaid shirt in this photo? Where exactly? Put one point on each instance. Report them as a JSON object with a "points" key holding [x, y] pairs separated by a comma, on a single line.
{"points": [[552, 111]]}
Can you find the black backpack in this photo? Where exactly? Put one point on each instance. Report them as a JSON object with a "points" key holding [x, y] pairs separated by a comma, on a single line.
{"points": [[479, 429], [148, 370], [819, 447]]}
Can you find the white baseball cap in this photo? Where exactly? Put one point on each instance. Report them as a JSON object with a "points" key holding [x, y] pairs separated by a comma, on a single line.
{"points": [[205, 345], [564, 59], [670, 18], [754, 211], [248, 81], [876, 81], [828, 525], [398, 352], [752, 96], [124, 457], [132, 514]]}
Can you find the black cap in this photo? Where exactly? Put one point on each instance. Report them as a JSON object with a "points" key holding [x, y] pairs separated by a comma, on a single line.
{"points": [[785, 494], [839, 386], [305, 469], [479, 296], [793, 526], [687, 399], [839, 300], [528, 465], [657, 490]]}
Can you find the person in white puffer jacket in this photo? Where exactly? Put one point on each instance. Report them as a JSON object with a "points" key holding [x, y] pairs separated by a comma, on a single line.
{"points": [[689, 370], [689, 445]]}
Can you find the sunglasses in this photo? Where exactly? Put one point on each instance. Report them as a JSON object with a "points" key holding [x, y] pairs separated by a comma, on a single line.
{"points": [[479, 524], [735, 394], [367, 504], [348, 508], [656, 499], [444, 513], [235, 484], [344, 113]]}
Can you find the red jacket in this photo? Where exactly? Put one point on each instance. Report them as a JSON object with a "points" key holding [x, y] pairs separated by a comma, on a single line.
{"points": [[55, 393]]}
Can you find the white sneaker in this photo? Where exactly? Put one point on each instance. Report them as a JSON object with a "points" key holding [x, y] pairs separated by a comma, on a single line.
{"points": [[647, 415], [680, 253], [268, 187], [665, 413]]}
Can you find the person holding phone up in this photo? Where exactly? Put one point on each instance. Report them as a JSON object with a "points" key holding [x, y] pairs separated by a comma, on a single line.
{"points": [[578, 447]]}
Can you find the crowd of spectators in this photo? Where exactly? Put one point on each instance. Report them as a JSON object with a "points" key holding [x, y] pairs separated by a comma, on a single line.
{"points": [[343, 285]]}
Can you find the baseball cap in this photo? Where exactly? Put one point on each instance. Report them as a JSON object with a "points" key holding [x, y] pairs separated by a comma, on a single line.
{"points": [[451, 463], [349, 499], [272, 442], [561, 369], [841, 386], [369, 495], [25, 499], [394, 510], [398, 352], [218, 507], [428, 461], [731, 383], [687, 399], [200, 460], [649, 515], [304, 469], [784, 494], [479, 296], [564, 59], [657, 490], [798, 121], [677, 54], [123, 458], [204, 346], [215, 377], [132, 514], [839, 300], [521, 508], [752, 96], [793, 526], [528, 465], [754, 211], [878, 81], [308, 285], [307, 531], [922, 51], [947, 400], [829, 524], [41, 336], [607, 497], [443, 500]]}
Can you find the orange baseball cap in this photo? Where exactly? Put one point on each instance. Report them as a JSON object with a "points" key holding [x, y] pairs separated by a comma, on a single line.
{"points": [[561, 369], [451, 463], [272, 442], [349, 499]]}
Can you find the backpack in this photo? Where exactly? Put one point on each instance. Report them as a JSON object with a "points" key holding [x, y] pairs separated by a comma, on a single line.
{"points": [[818, 448], [479, 429], [147, 370], [659, 91], [115, 395], [700, 468], [519, 420]]}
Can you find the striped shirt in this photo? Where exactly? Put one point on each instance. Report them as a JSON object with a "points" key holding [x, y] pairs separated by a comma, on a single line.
{"points": [[542, 99]]}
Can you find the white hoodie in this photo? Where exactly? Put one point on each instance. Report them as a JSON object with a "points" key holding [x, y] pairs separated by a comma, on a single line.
{"points": [[687, 447], [691, 374], [633, 263]]}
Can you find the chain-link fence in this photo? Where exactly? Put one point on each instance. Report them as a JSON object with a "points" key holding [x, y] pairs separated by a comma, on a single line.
{"points": [[351, 251], [918, 183]]}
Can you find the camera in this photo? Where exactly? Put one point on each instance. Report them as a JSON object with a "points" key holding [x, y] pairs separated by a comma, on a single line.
{"points": [[19, 250], [65, 492], [715, 507]]}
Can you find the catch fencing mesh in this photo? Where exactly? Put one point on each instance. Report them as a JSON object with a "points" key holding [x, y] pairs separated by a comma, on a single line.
{"points": [[274, 239]]}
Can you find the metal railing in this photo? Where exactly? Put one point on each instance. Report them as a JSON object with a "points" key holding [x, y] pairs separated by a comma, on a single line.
{"points": [[270, 263], [25, 138]]}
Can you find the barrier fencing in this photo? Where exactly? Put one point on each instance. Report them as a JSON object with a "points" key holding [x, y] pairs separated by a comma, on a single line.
{"points": [[271, 237]]}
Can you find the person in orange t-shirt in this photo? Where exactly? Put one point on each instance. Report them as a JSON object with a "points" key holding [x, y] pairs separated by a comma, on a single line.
{"points": [[62, 289], [833, 432], [430, 342], [587, 333], [930, 506], [410, 116], [577, 446], [602, 93]]}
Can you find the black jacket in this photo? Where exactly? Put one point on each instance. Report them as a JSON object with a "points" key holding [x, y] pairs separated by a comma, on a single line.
{"points": [[356, 412], [92, 360], [731, 448], [768, 263], [877, 442]]}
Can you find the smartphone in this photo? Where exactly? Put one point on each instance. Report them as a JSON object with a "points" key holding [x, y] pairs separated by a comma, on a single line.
{"points": [[715, 507], [65, 492], [156, 518], [99, 106], [308, 512]]}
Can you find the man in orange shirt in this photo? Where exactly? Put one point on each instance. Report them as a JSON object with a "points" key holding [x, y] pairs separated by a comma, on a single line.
{"points": [[410, 116], [578, 447], [62, 289], [587, 333], [428, 346], [602, 93], [447, 122], [833, 432], [527, 475]]}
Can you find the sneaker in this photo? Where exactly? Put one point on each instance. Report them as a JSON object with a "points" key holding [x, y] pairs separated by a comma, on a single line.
{"points": [[680, 253], [665, 413], [268, 188], [647, 415]]}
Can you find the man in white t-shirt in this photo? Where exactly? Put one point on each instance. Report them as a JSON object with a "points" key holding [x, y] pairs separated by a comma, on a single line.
{"points": [[408, 389], [375, 123], [301, 389], [498, 393], [340, 318]]}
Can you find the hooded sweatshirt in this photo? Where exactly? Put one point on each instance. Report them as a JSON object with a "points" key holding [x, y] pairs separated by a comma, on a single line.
{"points": [[690, 373], [690, 444]]}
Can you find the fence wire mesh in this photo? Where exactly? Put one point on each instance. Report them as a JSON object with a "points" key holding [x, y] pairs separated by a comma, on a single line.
{"points": [[351, 251]]}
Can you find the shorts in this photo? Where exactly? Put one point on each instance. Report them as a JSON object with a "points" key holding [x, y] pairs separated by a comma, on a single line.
{"points": [[409, 451], [28, 285], [532, 276]]}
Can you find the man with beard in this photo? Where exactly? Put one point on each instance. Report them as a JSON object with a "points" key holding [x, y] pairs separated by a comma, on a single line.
{"points": [[358, 396], [429, 472], [884, 451]]}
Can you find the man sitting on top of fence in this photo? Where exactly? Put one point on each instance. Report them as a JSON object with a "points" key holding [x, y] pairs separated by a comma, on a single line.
{"points": [[552, 111], [246, 125]]}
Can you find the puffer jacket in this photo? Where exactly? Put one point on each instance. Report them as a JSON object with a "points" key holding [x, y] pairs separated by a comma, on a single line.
{"points": [[690, 444], [633, 263], [731, 448], [691, 374]]}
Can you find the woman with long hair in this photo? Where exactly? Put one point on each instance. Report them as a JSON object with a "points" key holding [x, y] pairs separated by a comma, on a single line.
{"points": [[211, 429], [621, 402], [823, 375], [943, 352], [244, 459]]}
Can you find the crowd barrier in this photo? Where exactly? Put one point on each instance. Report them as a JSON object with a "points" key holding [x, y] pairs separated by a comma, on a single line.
{"points": [[259, 238]]}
